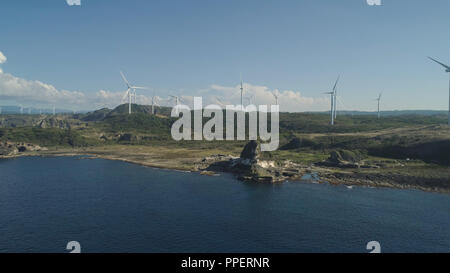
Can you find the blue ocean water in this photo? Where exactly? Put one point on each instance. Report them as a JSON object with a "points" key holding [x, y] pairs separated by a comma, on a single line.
{"points": [[112, 206]]}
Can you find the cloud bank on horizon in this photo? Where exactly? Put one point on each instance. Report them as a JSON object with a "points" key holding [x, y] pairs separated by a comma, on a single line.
{"points": [[36, 93], [73, 2]]}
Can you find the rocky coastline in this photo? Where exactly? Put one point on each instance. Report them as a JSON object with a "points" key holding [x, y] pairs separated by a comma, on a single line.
{"points": [[341, 168]]}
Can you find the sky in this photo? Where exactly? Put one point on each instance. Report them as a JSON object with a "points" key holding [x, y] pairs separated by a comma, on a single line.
{"points": [[69, 53]]}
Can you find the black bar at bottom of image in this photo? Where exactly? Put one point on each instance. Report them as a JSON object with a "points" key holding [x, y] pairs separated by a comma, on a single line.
{"points": [[220, 262]]}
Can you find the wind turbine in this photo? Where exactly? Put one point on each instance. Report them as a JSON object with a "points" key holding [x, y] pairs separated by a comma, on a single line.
{"points": [[242, 93], [153, 104], [335, 97], [333, 101], [379, 99], [276, 97], [130, 91], [177, 102], [447, 69], [250, 98], [21, 109]]}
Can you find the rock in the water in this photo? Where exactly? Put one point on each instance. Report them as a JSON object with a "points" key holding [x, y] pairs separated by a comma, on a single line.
{"points": [[250, 167]]}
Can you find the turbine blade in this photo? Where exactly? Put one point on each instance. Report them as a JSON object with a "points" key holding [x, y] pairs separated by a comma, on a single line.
{"points": [[446, 66], [125, 79], [125, 95], [139, 87], [335, 85]]}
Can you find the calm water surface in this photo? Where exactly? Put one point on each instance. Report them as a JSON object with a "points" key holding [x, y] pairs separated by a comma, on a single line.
{"points": [[112, 206]]}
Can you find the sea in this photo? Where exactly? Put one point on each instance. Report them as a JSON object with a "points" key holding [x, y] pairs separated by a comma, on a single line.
{"points": [[114, 207]]}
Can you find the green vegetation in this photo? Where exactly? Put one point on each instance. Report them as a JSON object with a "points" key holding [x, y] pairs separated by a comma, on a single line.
{"points": [[45, 137], [304, 137]]}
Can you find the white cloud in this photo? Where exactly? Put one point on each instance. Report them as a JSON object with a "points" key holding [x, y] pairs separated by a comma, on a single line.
{"points": [[289, 100], [2, 58], [26, 91], [37, 93], [73, 2]]}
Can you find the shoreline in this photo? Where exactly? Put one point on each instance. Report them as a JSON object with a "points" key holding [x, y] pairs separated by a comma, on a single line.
{"points": [[324, 175]]}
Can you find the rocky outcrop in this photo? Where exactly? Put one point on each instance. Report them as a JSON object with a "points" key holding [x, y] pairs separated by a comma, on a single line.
{"points": [[251, 151], [13, 149], [250, 167], [8, 150], [53, 123], [127, 137], [346, 159]]}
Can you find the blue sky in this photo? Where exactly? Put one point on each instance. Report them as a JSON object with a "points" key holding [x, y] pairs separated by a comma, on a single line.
{"points": [[200, 47]]}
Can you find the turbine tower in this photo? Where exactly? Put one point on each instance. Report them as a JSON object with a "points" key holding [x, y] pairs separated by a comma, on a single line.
{"points": [[447, 69], [153, 104], [379, 99], [131, 91], [332, 104]]}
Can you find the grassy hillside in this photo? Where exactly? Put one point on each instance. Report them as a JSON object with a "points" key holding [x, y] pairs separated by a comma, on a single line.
{"points": [[304, 136]]}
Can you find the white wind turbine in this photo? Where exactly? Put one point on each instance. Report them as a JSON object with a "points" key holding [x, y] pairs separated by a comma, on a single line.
{"points": [[333, 101], [379, 99], [335, 97], [177, 102], [242, 94], [130, 91], [447, 69], [154, 98], [250, 99], [275, 95]]}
